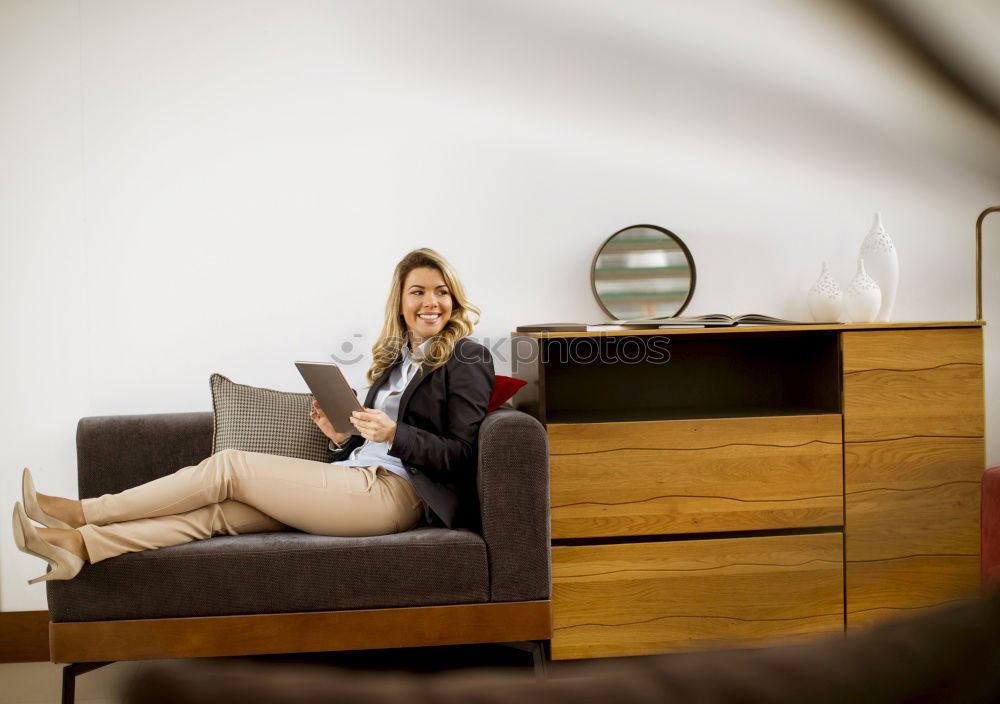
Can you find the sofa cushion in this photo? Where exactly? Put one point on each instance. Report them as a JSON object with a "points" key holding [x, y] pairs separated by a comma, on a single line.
{"points": [[504, 387], [279, 573], [264, 420]]}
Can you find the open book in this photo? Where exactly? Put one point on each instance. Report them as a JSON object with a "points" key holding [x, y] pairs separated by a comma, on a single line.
{"points": [[720, 320], [710, 321]]}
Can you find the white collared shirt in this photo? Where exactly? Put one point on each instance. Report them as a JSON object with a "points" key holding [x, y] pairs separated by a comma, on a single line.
{"points": [[387, 399]]}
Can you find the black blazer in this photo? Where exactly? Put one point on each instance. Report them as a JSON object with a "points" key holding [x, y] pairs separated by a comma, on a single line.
{"points": [[437, 430]]}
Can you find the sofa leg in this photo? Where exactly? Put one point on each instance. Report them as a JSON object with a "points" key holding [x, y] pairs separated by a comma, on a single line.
{"points": [[69, 678], [541, 658], [539, 654]]}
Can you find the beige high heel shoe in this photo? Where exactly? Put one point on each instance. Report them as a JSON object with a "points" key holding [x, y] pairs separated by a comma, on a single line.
{"points": [[65, 565], [31, 507]]}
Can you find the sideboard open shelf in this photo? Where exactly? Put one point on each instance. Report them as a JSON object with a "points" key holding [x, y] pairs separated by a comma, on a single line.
{"points": [[723, 485], [658, 377]]}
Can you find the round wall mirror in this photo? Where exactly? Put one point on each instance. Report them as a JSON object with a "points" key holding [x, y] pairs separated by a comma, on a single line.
{"points": [[643, 271]]}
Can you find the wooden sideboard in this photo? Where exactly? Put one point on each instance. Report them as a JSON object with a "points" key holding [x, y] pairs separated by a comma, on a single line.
{"points": [[723, 485]]}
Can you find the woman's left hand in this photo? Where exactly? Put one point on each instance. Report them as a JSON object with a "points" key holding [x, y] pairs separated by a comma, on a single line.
{"points": [[374, 425]]}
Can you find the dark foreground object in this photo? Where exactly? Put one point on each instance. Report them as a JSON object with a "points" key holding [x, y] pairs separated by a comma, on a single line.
{"points": [[949, 655]]}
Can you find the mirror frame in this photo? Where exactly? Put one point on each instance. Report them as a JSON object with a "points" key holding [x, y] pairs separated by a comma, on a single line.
{"points": [[668, 233]]}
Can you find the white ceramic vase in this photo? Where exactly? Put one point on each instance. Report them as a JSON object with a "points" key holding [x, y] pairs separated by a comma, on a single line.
{"points": [[881, 263], [825, 298], [863, 299]]}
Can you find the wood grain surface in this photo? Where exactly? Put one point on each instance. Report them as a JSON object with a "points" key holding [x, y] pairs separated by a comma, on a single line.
{"points": [[24, 636], [362, 629], [633, 599], [911, 350], [898, 588], [885, 405], [681, 476], [910, 383], [913, 461], [891, 523]]}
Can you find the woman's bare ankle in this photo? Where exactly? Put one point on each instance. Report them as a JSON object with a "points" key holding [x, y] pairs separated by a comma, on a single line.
{"points": [[67, 539], [69, 511]]}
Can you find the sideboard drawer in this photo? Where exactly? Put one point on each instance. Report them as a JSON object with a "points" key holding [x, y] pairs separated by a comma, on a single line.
{"points": [[693, 476], [909, 383], [642, 598]]}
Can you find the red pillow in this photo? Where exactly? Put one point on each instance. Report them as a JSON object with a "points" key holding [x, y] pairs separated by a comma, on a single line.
{"points": [[503, 389]]}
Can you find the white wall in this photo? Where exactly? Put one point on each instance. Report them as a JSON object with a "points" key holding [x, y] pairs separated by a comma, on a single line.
{"points": [[224, 185]]}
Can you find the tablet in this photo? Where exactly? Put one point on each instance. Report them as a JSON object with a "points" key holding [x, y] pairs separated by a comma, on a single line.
{"points": [[334, 394]]}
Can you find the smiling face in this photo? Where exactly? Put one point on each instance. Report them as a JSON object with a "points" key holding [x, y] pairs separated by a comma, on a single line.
{"points": [[425, 305]]}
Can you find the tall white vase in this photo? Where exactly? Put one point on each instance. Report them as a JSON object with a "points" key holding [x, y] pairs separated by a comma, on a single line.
{"points": [[881, 263], [863, 298], [825, 298]]}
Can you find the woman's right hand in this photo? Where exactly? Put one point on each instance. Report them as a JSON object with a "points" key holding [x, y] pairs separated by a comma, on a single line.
{"points": [[324, 424]]}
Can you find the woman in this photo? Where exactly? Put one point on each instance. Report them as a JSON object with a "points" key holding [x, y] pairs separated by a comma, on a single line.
{"points": [[414, 459]]}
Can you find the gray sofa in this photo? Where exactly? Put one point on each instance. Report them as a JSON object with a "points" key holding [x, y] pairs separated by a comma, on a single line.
{"points": [[171, 602]]}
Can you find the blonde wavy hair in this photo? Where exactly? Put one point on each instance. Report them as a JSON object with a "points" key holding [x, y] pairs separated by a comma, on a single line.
{"points": [[463, 320]]}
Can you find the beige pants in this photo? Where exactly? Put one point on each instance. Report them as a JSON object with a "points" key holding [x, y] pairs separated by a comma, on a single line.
{"points": [[234, 492]]}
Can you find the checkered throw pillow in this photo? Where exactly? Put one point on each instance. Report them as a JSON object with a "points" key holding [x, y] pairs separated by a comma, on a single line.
{"points": [[263, 420]]}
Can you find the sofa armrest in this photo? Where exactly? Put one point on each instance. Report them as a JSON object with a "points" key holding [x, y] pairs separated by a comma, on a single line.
{"points": [[513, 486], [115, 453]]}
